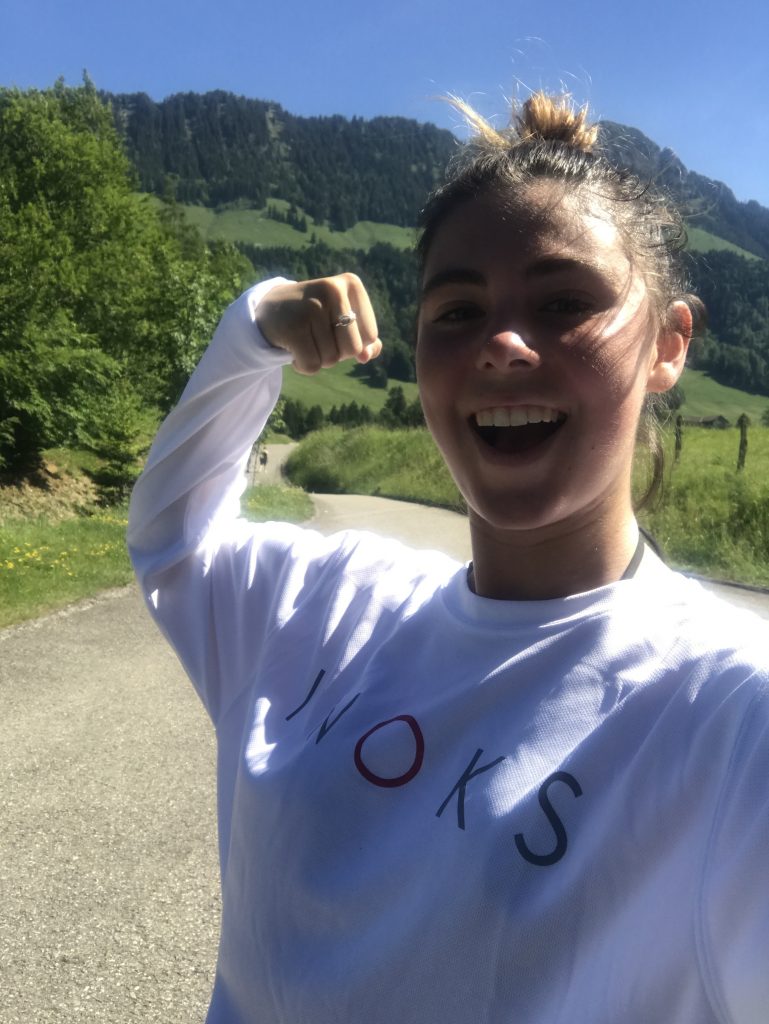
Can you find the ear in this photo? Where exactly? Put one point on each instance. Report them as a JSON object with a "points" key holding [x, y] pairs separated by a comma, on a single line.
{"points": [[670, 348]]}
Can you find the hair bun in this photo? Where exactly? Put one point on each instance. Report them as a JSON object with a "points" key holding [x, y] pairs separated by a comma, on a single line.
{"points": [[553, 118]]}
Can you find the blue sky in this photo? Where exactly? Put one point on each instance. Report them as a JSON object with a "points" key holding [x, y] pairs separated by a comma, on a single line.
{"points": [[692, 75]]}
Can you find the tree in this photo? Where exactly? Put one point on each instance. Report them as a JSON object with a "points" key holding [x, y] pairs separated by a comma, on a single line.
{"points": [[394, 411], [95, 286]]}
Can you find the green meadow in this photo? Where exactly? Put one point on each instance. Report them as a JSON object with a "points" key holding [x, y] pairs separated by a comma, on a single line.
{"points": [[339, 386], [238, 223], [47, 563], [244, 224], [705, 397], [711, 519]]}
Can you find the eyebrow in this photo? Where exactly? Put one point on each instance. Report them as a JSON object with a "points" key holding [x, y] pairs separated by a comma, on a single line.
{"points": [[542, 268], [453, 275], [558, 265]]}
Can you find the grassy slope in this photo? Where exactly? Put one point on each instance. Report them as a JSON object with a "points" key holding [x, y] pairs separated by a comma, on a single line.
{"points": [[704, 396], [713, 519], [337, 387], [703, 241], [47, 563], [253, 226], [248, 225]]}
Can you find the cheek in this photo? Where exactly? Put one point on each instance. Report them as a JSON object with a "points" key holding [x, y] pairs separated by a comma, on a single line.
{"points": [[618, 359]]}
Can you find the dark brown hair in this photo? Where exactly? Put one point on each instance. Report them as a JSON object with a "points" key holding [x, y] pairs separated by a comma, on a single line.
{"points": [[548, 138]]}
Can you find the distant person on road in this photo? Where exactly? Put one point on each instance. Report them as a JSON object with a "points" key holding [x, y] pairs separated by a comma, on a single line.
{"points": [[262, 460], [532, 788]]}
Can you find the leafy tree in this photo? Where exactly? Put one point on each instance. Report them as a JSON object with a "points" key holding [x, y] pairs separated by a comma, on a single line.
{"points": [[122, 428], [96, 287], [393, 412]]}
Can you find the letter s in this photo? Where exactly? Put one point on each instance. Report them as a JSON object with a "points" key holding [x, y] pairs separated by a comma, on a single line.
{"points": [[547, 859]]}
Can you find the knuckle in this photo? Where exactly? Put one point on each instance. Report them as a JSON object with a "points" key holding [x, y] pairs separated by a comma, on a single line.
{"points": [[310, 364], [370, 334]]}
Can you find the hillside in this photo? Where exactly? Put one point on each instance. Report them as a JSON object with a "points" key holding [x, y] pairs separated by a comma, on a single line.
{"points": [[217, 148], [707, 204], [311, 196]]}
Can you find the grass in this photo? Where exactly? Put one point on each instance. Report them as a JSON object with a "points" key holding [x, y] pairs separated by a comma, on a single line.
{"points": [[47, 564], [243, 224], [700, 240], [266, 502], [714, 519], [370, 460], [705, 397], [337, 386], [255, 227]]}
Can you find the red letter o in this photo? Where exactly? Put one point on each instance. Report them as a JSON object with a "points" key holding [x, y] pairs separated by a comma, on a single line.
{"points": [[416, 764]]}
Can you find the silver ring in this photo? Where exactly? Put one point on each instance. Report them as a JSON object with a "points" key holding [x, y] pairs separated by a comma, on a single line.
{"points": [[345, 320]]}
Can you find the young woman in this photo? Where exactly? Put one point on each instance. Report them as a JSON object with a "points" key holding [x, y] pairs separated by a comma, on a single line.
{"points": [[529, 789]]}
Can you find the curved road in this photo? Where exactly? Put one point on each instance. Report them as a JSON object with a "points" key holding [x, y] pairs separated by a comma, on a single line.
{"points": [[107, 853]]}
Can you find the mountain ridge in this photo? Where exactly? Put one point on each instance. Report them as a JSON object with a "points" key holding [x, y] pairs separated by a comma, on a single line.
{"points": [[217, 148]]}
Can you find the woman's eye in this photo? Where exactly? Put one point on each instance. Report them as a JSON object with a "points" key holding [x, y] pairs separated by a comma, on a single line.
{"points": [[457, 314], [569, 305]]}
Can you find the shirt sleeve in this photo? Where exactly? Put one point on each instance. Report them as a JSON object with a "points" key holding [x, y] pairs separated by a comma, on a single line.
{"points": [[193, 556], [734, 933]]}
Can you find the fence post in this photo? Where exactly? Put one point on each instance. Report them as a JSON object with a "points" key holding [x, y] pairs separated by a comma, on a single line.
{"points": [[679, 437], [743, 423]]}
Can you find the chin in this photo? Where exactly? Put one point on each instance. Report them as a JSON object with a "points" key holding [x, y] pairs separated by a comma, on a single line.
{"points": [[519, 514]]}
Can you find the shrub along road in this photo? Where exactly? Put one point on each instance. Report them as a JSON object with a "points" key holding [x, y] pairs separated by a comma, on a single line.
{"points": [[108, 851]]}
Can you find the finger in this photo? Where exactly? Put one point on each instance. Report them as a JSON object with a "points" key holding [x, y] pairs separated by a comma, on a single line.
{"points": [[361, 303], [344, 304], [369, 352], [307, 358], [325, 336], [347, 337]]}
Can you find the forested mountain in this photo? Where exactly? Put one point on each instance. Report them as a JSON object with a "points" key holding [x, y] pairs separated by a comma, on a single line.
{"points": [[706, 203], [218, 149]]}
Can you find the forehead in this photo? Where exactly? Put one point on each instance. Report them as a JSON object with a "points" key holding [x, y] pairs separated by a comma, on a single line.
{"points": [[542, 221]]}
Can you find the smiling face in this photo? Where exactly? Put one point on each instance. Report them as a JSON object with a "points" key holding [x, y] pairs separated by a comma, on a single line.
{"points": [[536, 346]]}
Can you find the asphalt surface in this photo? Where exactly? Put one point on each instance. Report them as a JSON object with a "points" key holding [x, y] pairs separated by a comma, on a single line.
{"points": [[108, 864]]}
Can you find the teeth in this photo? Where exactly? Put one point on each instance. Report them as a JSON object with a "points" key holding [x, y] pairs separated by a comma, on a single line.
{"points": [[516, 416]]}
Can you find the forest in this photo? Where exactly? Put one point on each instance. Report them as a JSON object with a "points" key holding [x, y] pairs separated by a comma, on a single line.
{"points": [[106, 301], [218, 148]]}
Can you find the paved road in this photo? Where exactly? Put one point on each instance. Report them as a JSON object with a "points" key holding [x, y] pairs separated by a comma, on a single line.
{"points": [[272, 473], [107, 853]]}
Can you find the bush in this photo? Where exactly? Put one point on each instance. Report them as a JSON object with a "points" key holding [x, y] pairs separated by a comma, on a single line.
{"points": [[372, 460]]}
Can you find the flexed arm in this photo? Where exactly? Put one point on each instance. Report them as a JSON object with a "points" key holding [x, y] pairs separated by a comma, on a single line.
{"points": [[211, 579], [194, 474]]}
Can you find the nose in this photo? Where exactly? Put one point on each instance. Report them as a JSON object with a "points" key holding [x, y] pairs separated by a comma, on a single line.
{"points": [[505, 351]]}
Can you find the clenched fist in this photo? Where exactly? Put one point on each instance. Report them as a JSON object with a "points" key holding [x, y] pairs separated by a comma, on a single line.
{"points": [[304, 319]]}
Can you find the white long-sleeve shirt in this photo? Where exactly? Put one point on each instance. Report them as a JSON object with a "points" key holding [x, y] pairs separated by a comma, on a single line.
{"points": [[435, 808]]}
